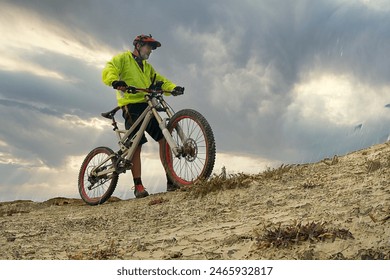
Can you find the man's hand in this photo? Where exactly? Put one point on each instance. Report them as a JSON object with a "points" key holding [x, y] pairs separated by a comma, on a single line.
{"points": [[131, 89], [156, 86], [119, 85], [177, 91]]}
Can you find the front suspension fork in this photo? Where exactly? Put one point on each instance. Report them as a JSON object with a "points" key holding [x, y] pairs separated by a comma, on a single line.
{"points": [[177, 151]]}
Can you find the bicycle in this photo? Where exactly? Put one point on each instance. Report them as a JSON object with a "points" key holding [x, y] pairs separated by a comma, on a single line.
{"points": [[188, 150]]}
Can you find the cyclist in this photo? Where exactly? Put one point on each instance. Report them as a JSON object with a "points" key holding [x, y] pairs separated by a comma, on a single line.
{"points": [[132, 69]]}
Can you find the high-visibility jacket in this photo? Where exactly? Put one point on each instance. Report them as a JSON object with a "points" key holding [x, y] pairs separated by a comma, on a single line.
{"points": [[124, 67]]}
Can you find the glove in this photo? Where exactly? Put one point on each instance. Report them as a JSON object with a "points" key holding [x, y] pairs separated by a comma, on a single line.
{"points": [[156, 86], [131, 89], [177, 91], [116, 84]]}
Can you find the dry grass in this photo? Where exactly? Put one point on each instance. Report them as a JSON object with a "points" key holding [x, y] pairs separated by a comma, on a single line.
{"points": [[276, 173], [373, 165], [311, 184], [159, 200], [285, 236], [109, 251], [221, 182], [225, 181], [374, 254]]}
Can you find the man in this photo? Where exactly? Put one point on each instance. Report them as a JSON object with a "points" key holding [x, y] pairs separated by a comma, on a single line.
{"points": [[132, 69]]}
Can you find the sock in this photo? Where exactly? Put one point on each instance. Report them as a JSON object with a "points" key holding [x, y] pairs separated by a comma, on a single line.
{"points": [[137, 181]]}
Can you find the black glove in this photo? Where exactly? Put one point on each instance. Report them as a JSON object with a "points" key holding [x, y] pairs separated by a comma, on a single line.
{"points": [[131, 89], [177, 91], [156, 86], [116, 84]]}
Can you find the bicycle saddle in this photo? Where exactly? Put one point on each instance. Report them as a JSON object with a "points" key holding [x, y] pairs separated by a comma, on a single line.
{"points": [[111, 113]]}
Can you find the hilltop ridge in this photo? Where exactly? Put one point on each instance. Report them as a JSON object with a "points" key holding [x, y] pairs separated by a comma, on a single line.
{"points": [[338, 208]]}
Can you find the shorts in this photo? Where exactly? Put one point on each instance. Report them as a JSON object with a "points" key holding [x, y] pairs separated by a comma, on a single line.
{"points": [[131, 112]]}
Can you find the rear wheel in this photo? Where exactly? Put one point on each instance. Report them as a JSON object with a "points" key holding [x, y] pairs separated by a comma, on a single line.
{"points": [[198, 156], [95, 189]]}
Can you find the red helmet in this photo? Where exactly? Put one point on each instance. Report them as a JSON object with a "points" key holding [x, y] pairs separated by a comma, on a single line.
{"points": [[144, 39]]}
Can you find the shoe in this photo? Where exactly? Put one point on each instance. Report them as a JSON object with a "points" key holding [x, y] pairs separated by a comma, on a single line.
{"points": [[140, 192], [172, 187]]}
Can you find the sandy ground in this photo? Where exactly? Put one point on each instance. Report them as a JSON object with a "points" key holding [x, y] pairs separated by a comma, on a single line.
{"points": [[246, 217]]}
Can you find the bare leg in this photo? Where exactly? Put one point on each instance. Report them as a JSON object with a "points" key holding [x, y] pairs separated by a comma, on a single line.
{"points": [[170, 185], [139, 190], [136, 169]]}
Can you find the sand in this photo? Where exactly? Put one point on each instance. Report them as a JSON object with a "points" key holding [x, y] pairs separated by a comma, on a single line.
{"points": [[347, 194]]}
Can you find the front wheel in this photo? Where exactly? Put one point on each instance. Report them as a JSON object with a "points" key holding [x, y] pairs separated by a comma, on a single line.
{"points": [[96, 189], [191, 131]]}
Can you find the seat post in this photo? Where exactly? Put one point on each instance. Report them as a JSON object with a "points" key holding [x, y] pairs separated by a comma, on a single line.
{"points": [[114, 124]]}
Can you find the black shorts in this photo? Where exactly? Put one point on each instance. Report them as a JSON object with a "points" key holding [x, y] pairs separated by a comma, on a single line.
{"points": [[131, 112]]}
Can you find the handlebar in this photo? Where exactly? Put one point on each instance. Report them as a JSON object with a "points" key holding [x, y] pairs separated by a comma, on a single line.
{"points": [[134, 90], [155, 88]]}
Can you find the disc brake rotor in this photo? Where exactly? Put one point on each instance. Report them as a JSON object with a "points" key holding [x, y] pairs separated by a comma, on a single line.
{"points": [[190, 150]]}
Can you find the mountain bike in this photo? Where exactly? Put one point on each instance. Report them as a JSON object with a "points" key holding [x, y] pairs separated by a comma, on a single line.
{"points": [[188, 153]]}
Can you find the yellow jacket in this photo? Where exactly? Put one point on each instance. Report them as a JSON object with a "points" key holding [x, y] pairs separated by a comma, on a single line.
{"points": [[125, 68]]}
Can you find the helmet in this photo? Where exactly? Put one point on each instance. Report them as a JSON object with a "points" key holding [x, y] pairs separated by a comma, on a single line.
{"points": [[144, 39]]}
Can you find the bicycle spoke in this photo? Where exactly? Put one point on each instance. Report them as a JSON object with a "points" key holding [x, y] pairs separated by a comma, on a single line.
{"points": [[190, 170], [94, 188]]}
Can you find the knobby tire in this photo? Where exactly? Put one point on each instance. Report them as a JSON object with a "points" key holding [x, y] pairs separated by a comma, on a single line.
{"points": [[199, 163], [104, 187]]}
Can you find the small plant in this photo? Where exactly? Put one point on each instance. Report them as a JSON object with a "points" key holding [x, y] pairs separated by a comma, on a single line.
{"points": [[109, 252], [332, 161], [374, 254], [373, 165], [158, 200], [310, 184], [276, 173], [296, 233], [221, 182]]}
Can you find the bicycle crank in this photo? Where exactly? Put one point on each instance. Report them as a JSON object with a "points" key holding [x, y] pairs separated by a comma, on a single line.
{"points": [[122, 165]]}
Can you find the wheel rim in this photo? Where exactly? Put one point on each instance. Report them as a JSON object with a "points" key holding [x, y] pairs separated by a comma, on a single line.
{"points": [[93, 189], [192, 164]]}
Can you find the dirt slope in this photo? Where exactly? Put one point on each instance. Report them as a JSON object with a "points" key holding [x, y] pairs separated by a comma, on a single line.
{"points": [[335, 209]]}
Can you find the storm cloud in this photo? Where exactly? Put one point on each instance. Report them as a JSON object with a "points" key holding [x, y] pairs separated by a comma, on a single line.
{"points": [[279, 81]]}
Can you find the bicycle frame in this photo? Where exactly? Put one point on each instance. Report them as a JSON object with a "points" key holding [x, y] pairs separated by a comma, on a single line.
{"points": [[128, 146]]}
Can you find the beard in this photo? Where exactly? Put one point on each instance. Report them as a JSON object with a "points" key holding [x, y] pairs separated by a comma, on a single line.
{"points": [[144, 56]]}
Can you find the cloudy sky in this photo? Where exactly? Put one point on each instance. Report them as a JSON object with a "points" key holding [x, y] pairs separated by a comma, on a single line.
{"points": [[279, 81]]}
